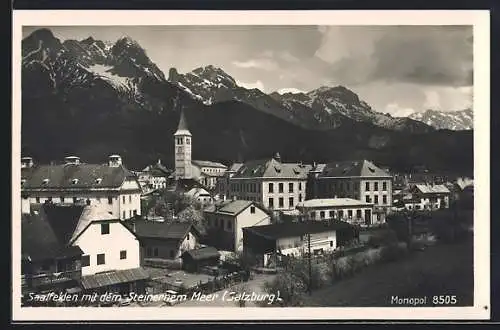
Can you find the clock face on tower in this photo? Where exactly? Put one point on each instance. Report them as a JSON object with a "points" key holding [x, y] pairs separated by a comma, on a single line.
{"points": [[180, 150]]}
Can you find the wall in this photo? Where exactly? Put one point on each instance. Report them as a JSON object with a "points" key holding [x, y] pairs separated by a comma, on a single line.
{"points": [[297, 245], [92, 242], [248, 219], [297, 194]]}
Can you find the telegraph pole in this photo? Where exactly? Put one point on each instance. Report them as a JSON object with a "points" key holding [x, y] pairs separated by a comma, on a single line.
{"points": [[310, 260]]}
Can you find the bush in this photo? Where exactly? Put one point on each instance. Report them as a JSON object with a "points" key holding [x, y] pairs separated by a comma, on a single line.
{"points": [[291, 290], [393, 252], [383, 238]]}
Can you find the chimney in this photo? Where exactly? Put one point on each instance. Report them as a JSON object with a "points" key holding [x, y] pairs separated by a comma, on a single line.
{"points": [[26, 162], [277, 157], [115, 161], [72, 160]]}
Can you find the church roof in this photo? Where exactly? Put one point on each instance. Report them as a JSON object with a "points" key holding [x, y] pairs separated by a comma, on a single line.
{"points": [[183, 127]]}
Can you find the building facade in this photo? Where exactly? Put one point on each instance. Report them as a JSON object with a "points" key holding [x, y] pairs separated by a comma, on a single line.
{"points": [[361, 180], [110, 187], [349, 210], [427, 197], [225, 222], [276, 185]]}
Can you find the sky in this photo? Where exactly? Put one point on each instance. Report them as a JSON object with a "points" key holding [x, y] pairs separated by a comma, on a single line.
{"points": [[395, 69]]}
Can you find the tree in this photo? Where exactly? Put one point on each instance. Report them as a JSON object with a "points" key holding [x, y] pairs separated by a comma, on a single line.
{"points": [[191, 215], [291, 289]]}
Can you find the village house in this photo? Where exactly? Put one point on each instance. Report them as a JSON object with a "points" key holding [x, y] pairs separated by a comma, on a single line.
{"points": [[201, 195], [110, 261], [154, 177], [225, 222], [110, 187], [161, 240], [222, 188], [350, 210], [205, 172], [269, 244], [276, 185], [427, 197], [360, 180], [47, 262]]}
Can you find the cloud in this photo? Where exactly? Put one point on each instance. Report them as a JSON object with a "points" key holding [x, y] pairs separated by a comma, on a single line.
{"points": [[290, 90], [427, 55], [264, 64], [395, 110], [258, 84]]}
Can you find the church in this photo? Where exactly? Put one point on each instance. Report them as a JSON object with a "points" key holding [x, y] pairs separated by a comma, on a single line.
{"points": [[204, 172]]}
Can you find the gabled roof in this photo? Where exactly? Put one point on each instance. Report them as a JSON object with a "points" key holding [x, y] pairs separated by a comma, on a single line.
{"points": [[295, 229], [432, 189], [162, 230], [231, 207], [235, 167], [202, 253], [197, 191], [39, 240], [356, 168], [208, 163], [271, 168], [81, 176]]}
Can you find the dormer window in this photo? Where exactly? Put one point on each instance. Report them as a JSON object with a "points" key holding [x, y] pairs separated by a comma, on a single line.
{"points": [[74, 181], [98, 180], [278, 169], [45, 181]]}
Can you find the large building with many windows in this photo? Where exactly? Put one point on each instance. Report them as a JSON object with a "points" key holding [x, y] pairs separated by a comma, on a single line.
{"points": [[272, 183], [360, 179], [110, 187]]}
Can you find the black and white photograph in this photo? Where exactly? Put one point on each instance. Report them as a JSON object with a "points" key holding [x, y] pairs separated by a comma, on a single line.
{"points": [[321, 165]]}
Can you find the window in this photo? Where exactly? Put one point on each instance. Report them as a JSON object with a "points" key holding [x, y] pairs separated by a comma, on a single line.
{"points": [[110, 200], [252, 209], [179, 141], [349, 213], [341, 214], [313, 215], [280, 187], [149, 252], [290, 187], [290, 202], [368, 200], [85, 261], [37, 200], [188, 141], [300, 185], [322, 214], [280, 202], [229, 225], [75, 199], [376, 199], [124, 215], [135, 213], [384, 199], [179, 150], [130, 213], [375, 184], [155, 252], [271, 203], [384, 186], [123, 199], [358, 214], [104, 228], [123, 254], [101, 259], [332, 214], [130, 198], [62, 199], [367, 186], [271, 188], [300, 198], [331, 243]]}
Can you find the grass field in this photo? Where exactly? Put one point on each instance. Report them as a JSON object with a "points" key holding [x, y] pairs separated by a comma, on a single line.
{"points": [[439, 270]]}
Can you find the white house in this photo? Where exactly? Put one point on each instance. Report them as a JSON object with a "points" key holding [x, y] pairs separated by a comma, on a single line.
{"points": [[291, 239], [427, 197], [346, 209], [201, 195], [110, 187], [111, 257], [225, 222]]}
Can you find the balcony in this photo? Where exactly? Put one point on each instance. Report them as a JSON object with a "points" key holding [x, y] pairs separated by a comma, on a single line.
{"points": [[50, 278]]}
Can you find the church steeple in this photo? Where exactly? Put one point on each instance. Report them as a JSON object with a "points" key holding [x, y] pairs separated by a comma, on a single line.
{"points": [[182, 145], [182, 129]]}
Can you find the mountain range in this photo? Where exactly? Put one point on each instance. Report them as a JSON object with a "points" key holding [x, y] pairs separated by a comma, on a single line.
{"points": [[452, 120], [90, 97]]}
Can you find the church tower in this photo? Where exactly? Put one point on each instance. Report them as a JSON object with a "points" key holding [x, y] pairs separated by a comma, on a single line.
{"points": [[182, 140]]}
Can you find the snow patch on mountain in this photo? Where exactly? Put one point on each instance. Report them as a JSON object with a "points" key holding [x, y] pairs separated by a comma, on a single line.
{"points": [[452, 120], [103, 71]]}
